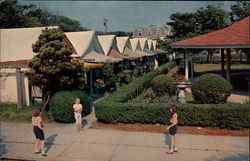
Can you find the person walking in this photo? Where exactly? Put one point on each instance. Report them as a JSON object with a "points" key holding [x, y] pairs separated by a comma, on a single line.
{"points": [[147, 68], [78, 114], [173, 129], [38, 130]]}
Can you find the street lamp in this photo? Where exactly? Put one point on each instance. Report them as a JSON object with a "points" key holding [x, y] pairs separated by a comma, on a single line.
{"points": [[105, 24]]}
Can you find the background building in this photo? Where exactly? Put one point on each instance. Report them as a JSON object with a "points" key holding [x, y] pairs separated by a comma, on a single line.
{"points": [[151, 32]]}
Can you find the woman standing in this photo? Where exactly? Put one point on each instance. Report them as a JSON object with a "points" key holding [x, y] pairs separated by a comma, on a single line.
{"points": [[173, 129], [38, 131]]}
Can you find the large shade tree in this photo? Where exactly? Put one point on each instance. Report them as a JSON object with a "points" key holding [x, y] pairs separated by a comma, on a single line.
{"points": [[14, 15], [52, 68]]}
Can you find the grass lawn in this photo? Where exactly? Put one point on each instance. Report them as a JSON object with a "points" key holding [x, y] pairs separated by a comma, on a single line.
{"points": [[216, 68], [10, 112]]}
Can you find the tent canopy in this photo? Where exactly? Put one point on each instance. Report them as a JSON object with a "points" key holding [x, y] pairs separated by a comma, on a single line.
{"points": [[16, 44], [233, 36], [122, 43], [106, 42], [95, 57]]}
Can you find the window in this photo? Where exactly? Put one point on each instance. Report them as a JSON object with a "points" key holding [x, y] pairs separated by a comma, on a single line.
{"points": [[139, 32], [158, 31], [149, 32]]}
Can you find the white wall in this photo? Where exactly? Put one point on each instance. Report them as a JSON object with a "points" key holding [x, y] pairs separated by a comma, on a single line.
{"points": [[8, 86]]}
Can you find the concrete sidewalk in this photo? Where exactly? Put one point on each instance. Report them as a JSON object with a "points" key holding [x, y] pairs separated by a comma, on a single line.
{"points": [[64, 144]]}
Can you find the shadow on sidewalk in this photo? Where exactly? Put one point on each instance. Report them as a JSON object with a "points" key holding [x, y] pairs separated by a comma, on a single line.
{"points": [[50, 141], [84, 123], [167, 139], [237, 157], [3, 149]]}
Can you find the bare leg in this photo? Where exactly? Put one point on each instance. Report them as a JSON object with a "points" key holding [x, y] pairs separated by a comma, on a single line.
{"points": [[172, 141], [37, 145], [42, 145]]}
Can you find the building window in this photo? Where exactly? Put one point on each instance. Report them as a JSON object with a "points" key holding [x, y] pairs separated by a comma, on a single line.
{"points": [[158, 31], [139, 32], [149, 32]]}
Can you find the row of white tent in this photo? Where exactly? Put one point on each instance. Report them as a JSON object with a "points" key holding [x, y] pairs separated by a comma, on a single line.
{"points": [[16, 45], [16, 50]]}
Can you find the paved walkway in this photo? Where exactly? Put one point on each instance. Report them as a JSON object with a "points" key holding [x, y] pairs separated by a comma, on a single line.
{"points": [[239, 97], [64, 144]]}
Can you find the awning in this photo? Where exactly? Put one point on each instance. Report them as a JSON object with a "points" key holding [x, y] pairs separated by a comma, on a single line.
{"points": [[150, 52], [115, 54], [94, 57], [142, 53], [129, 54]]}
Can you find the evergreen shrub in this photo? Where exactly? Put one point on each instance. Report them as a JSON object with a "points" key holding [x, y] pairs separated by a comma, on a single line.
{"points": [[211, 88], [62, 102], [163, 84]]}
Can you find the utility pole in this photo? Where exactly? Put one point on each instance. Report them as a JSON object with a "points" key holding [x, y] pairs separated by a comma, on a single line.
{"points": [[105, 24]]}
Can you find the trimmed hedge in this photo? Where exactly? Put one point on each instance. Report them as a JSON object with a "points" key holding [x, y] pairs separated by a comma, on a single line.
{"points": [[211, 88], [163, 84], [62, 102], [229, 115], [116, 109]]}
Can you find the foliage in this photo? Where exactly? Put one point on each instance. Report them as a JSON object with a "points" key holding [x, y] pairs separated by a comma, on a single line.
{"points": [[125, 77], [110, 78], [211, 88], [99, 86], [232, 116], [164, 69], [13, 15], [117, 33], [185, 25], [10, 112], [52, 68], [163, 84], [239, 10], [62, 102], [138, 71]]}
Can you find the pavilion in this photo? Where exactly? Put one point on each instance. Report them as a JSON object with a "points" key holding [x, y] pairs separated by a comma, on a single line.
{"points": [[235, 36]]}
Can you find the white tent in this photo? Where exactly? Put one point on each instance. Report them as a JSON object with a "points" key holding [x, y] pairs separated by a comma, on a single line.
{"points": [[154, 44], [150, 44], [107, 42], [16, 44], [87, 46], [122, 43], [143, 43], [135, 44]]}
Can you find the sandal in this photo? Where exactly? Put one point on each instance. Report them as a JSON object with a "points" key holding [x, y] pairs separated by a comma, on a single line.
{"points": [[37, 152]]}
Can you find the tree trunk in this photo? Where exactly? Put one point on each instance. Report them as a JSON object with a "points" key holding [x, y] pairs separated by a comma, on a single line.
{"points": [[46, 96]]}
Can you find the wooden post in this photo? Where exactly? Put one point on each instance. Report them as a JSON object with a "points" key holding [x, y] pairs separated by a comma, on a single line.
{"points": [[191, 65], [19, 87], [228, 64], [222, 63], [91, 83], [186, 64]]}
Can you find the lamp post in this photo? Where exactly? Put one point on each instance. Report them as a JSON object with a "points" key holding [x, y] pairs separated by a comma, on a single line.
{"points": [[105, 24]]}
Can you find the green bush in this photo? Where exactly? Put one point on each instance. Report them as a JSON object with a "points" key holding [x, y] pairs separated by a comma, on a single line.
{"points": [[164, 69], [163, 84], [62, 102], [229, 115], [211, 88]]}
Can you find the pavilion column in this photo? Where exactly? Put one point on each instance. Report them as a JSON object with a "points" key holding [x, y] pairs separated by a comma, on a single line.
{"points": [[186, 64], [191, 65], [228, 64], [222, 63], [91, 83]]}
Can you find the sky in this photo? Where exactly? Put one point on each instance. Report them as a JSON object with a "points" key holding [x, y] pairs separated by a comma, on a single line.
{"points": [[121, 15]]}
